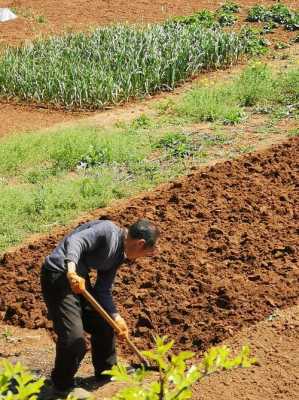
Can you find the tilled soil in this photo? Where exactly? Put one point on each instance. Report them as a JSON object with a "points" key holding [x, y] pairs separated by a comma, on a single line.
{"points": [[59, 16], [228, 254], [274, 342]]}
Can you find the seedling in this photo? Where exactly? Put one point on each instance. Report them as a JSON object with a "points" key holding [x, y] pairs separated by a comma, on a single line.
{"points": [[230, 7], [7, 334], [17, 383], [176, 374]]}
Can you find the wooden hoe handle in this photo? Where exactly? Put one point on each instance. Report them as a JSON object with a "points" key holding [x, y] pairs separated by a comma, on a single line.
{"points": [[103, 313]]}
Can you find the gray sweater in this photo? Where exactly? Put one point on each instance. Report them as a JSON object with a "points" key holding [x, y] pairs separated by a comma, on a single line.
{"points": [[94, 245]]}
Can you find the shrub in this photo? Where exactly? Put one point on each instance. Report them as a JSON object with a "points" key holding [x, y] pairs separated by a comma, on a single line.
{"points": [[176, 375], [230, 7], [278, 13], [17, 383], [259, 14]]}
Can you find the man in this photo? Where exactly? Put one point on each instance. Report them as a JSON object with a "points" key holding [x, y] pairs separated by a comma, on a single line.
{"points": [[99, 245]]}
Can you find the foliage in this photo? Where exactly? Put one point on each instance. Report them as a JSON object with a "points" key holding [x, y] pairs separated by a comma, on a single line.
{"points": [[269, 27], [259, 13], [226, 19], [256, 45], [203, 17], [257, 85], [281, 45], [178, 145], [17, 383], [292, 24], [176, 375], [114, 63], [278, 13], [230, 7], [225, 14]]}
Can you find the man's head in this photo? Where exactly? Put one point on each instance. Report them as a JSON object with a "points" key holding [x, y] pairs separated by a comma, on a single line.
{"points": [[141, 240]]}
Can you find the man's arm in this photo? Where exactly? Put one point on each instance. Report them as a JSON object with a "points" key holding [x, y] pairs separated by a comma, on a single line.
{"points": [[103, 290], [104, 285]]}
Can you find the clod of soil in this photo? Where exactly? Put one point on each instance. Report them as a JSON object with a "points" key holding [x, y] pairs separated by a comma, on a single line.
{"points": [[229, 254]]}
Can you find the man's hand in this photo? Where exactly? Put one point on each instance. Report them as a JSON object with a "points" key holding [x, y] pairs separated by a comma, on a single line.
{"points": [[77, 283], [123, 327]]}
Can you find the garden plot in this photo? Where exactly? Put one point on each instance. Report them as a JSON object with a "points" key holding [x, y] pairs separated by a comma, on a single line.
{"points": [[228, 254]]}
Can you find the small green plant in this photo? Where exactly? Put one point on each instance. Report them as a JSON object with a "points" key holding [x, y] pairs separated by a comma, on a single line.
{"points": [[176, 375], [225, 14], [281, 45], [17, 383], [269, 27], [143, 121], [41, 19], [178, 145], [203, 17], [246, 149], [278, 13], [292, 23], [294, 132], [226, 19], [233, 116], [7, 334], [259, 14], [230, 7], [255, 84], [96, 155], [256, 44], [214, 139]]}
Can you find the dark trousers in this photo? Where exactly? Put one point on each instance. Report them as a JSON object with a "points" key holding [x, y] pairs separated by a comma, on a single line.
{"points": [[71, 316]]}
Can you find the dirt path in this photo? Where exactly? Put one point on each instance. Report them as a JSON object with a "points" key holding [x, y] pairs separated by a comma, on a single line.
{"points": [[21, 119]]}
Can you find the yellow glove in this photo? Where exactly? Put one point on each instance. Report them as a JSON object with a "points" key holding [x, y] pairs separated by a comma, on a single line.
{"points": [[77, 283], [123, 327]]}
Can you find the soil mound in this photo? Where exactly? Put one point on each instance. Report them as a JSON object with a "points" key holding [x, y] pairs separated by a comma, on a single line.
{"points": [[229, 254]]}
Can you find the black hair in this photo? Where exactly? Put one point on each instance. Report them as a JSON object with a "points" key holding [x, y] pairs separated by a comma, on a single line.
{"points": [[144, 229]]}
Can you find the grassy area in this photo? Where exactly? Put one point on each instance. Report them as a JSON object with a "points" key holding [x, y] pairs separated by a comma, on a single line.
{"points": [[49, 178], [112, 64], [257, 88]]}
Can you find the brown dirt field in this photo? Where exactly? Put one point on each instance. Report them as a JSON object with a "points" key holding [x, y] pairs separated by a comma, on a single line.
{"points": [[229, 254], [276, 346], [274, 342], [64, 15]]}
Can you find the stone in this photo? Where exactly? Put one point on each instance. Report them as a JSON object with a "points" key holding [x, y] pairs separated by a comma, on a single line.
{"points": [[6, 15]]}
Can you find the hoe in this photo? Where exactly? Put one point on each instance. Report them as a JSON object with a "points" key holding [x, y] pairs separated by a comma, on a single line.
{"points": [[100, 310]]}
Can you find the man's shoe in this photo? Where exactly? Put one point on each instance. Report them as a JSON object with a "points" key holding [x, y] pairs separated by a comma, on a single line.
{"points": [[51, 392], [81, 394]]}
